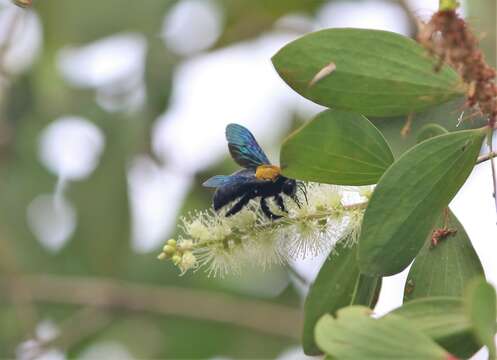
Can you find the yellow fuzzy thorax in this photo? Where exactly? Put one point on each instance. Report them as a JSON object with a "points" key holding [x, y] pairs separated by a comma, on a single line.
{"points": [[267, 172]]}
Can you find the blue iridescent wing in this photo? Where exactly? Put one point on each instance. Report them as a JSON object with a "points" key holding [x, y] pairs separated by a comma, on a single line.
{"points": [[244, 148], [238, 177], [217, 181]]}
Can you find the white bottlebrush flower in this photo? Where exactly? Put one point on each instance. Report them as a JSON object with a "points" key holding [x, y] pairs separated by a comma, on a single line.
{"points": [[264, 248], [188, 261], [223, 244]]}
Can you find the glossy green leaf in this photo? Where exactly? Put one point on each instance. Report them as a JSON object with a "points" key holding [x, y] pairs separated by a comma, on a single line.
{"points": [[445, 269], [353, 334], [336, 147], [443, 319], [481, 307], [430, 130], [409, 198], [446, 115], [371, 72], [337, 285]]}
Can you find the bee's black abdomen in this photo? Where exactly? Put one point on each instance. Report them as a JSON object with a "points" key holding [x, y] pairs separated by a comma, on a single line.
{"points": [[218, 201], [226, 194]]}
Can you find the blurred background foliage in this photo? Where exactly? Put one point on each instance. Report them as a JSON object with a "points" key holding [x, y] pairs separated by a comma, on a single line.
{"points": [[75, 281]]}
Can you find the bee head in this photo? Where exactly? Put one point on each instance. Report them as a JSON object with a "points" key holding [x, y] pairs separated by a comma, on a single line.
{"points": [[289, 187]]}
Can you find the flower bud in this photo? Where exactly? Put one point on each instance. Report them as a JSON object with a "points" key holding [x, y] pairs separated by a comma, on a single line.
{"points": [[161, 256], [169, 250], [176, 259]]}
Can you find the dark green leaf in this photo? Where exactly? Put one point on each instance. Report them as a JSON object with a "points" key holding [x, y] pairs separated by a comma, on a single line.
{"points": [[481, 307], [447, 115], [367, 290], [336, 147], [409, 198], [444, 269], [442, 318], [353, 334], [429, 131], [376, 72], [337, 285]]}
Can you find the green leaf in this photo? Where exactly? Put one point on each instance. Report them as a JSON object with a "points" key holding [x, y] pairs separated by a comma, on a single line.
{"points": [[353, 334], [481, 307], [336, 147], [430, 130], [443, 319], [367, 290], [444, 269], [337, 285], [409, 198], [371, 72], [446, 115]]}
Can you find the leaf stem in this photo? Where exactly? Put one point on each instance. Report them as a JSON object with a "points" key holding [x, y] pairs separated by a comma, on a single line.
{"points": [[486, 157], [361, 205]]}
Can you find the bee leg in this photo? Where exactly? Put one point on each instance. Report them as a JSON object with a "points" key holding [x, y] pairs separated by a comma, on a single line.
{"points": [[296, 201], [238, 206], [280, 203], [265, 209]]}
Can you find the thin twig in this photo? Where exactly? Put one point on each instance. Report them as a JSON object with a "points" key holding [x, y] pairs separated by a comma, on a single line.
{"points": [[261, 316], [414, 20], [360, 205], [406, 129], [492, 164]]}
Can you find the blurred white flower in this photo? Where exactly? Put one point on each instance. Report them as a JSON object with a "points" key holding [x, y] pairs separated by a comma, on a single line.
{"points": [[71, 147], [25, 39], [52, 220], [35, 349], [155, 195], [192, 26], [114, 66]]}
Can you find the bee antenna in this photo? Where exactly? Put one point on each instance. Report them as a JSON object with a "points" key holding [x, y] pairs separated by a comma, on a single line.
{"points": [[297, 201], [303, 188]]}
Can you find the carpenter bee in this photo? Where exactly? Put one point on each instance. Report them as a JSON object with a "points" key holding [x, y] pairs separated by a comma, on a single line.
{"points": [[258, 178]]}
